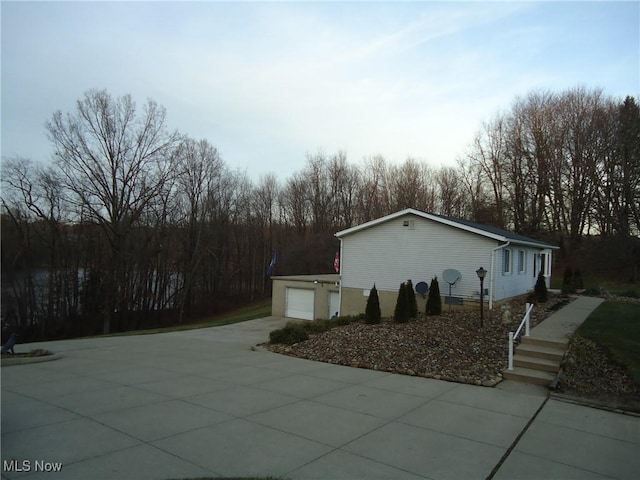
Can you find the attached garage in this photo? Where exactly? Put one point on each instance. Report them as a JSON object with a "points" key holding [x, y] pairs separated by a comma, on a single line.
{"points": [[306, 297], [299, 303]]}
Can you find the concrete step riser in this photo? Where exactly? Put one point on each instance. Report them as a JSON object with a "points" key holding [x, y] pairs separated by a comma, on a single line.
{"points": [[511, 375], [544, 343], [525, 352], [533, 365]]}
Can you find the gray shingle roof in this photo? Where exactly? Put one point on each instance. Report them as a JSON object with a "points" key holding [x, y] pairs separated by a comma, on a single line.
{"points": [[515, 237]]}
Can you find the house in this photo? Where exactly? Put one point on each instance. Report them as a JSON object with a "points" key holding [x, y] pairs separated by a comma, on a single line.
{"points": [[415, 245]]}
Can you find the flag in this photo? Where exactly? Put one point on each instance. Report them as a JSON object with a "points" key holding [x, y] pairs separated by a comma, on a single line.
{"points": [[272, 264], [336, 262]]}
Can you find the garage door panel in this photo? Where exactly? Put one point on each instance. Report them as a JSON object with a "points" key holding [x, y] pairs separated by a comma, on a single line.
{"points": [[300, 303]]}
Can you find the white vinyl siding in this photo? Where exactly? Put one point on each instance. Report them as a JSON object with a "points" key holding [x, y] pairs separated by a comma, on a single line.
{"points": [[391, 253], [387, 252], [507, 286]]}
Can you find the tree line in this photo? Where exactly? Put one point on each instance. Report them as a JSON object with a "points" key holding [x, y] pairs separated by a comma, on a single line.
{"points": [[134, 225]]}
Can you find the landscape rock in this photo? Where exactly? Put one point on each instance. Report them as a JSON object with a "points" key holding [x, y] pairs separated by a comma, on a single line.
{"points": [[589, 373], [451, 346]]}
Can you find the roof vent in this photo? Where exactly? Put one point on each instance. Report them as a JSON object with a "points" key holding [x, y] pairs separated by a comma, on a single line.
{"points": [[409, 223]]}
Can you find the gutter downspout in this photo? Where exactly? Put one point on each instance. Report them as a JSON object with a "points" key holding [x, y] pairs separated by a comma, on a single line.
{"points": [[340, 280], [493, 266]]}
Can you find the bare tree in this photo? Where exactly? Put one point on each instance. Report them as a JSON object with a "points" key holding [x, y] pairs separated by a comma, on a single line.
{"points": [[198, 166], [412, 186], [451, 192], [375, 200], [114, 161], [264, 208], [489, 153], [345, 185], [37, 189], [295, 203]]}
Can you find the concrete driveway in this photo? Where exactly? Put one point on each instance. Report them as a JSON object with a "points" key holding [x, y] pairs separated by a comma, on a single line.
{"points": [[201, 403]]}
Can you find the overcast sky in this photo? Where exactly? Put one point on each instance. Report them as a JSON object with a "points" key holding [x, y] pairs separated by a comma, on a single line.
{"points": [[269, 82]]}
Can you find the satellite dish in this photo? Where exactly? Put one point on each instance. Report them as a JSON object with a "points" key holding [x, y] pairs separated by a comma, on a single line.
{"points": [[451, 276], [422, 288]]}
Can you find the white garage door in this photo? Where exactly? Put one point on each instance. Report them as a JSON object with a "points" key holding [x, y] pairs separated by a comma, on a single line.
{"points": [[300, 303]]}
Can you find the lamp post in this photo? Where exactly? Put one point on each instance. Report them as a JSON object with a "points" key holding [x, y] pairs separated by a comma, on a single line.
{"points": [[481, 272]]}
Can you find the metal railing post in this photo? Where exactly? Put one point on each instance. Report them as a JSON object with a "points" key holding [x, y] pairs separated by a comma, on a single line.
{"points": [[526, 325], [510, 351]]}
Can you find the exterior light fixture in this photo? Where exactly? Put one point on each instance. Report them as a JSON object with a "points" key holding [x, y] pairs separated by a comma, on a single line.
{"points": [[481, 272]]}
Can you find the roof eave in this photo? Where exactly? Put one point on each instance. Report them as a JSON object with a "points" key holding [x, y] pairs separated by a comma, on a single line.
{"points": [[444, 221], [377, 221], [545, 246]]}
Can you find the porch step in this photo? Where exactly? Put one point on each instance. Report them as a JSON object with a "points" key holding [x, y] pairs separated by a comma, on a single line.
{"points": [[548, 353], [546, 342], [535, 363], [528, 375]]}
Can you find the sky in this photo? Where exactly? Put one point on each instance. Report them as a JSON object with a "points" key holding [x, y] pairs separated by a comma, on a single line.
{"points": [[268, 83]]}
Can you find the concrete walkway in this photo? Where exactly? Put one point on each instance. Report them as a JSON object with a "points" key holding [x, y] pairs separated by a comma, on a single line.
{"points": [[573, 441], [200, 403], [560, 325]]}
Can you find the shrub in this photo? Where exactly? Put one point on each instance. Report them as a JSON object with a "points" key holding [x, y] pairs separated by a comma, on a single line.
{"points": [[434, 302], [401, 313], [412, 301], [594, 291], [577, 280], [372, 313], [571, 281], [342, 321], [630, 294], [540, 290], [568, 284], [317, 326], [289, 334], [39, 352], [347, 320]]}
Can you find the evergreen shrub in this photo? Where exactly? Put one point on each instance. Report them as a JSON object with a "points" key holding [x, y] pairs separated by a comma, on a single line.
{"points": [[402, 311], [434, 302], [372, 312], [568, 285], [412, 301], [540, 290]]}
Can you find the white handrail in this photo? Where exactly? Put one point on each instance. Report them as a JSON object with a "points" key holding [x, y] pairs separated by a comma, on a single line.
{"points": [[513, 336]]}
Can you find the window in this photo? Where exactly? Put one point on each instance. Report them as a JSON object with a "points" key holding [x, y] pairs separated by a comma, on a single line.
{"points": [[539, 264], [522, 261], [506, 263]]}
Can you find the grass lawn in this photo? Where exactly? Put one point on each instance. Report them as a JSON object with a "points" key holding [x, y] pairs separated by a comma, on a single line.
{"points": [[616, 327], [256, 310], [606, 285]]}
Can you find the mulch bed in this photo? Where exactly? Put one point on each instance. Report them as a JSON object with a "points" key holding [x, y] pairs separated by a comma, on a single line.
{"points": [[451, 346], [31, 354], [590, 375]]}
